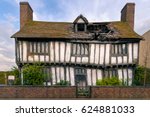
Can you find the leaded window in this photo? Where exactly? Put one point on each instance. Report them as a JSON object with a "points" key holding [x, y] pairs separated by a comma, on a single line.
{"points": [[119, 49], [110, 73], [80, 27], [80, 49], [38, 47]]}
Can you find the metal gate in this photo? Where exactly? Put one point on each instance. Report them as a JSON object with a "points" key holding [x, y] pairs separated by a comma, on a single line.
{"points": [[83, 91]]}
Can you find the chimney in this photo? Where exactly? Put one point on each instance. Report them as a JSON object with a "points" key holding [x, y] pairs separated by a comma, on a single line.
{"points": [[26, 13], [127, 14]]}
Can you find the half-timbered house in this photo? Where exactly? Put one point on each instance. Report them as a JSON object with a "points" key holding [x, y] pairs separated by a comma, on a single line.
{"points": [[80, 52]]}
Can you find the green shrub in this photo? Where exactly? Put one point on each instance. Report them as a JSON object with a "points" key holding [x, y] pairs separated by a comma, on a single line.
{"points": [[113, 81], [33, 75], [2, 77], [139, 76], [63, 83]]}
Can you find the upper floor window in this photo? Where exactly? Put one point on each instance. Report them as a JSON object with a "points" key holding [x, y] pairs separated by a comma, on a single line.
{"points": [[80, 49], [38, 47], [119, 49], [80, 24], [81, 27]]}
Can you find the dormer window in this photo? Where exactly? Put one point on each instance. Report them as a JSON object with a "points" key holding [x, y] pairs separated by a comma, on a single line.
{"points": [[80, 24], [81, 27]]}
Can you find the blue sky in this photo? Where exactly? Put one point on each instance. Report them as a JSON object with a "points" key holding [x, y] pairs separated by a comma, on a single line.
{"points": [[61, 11]]}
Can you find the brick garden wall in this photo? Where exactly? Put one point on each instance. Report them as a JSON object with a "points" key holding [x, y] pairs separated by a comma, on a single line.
{"points": [[32, 92], [120, 92], [56, 92]]}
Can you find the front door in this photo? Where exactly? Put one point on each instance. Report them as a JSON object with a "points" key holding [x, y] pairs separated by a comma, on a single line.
{"points": [[80, 77], [81, 83]]}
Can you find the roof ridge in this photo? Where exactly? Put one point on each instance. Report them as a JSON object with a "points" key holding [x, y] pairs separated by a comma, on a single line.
{"points": [[48, 22]]}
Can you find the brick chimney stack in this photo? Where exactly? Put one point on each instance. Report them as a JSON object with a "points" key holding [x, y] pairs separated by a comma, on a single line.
{"points": [[26, 13], [127, 14]]}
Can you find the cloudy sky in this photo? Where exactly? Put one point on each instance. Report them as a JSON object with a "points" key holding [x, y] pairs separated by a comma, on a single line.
{"points": [[63, 10]]}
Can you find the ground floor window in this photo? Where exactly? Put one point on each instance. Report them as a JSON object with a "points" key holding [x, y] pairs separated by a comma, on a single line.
{"points": [[108, 73]]}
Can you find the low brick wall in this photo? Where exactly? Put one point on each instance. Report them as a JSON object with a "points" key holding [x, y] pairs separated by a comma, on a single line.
{"points": [[37, 92], [120, 92], [59, 92]]}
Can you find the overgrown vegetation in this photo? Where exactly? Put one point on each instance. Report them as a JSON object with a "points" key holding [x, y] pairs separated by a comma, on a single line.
{"points": [[113, 81], [3, 76], [141, 74], [63, 83], [33, 74]]}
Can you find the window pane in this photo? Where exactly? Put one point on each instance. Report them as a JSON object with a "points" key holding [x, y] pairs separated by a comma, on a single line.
{"points": [[34, 47], [86, 49], [80, 49], [124, 48], [31, 47], [46, 47], [120, 50], [42, 47], [113, 49], [116, 49], [38, 47], [80, 27], [74, 49]]}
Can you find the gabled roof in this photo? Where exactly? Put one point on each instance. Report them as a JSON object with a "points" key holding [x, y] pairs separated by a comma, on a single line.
{"points": [[38, 29], [82, 17]]}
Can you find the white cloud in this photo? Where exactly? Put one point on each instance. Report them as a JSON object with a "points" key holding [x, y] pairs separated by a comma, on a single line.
{"points": [[7, 53]]}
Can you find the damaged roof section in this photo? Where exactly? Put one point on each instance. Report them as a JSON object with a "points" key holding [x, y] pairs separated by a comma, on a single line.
{"points": [[38, 29]]}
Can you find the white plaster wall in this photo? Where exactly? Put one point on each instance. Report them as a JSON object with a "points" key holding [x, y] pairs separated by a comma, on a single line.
{"points": [[107, 54], [78, 60], [101, 53], [135, 48], [130, 74], [41, 58], [80, 20], [62, 75], [125, 59], [96, 54], [72, 76], [92, 53], [24, 51], [51, 52], [120, 74], [94, 76], [20, 50], [119, 59], [56, 51], [89, 77], [99, 74], [62, 51], [84, 59], [113, 60], [130, 52], [67, 74], [53, 75]]}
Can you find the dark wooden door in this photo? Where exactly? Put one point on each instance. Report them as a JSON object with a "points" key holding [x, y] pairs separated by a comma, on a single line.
{"points": [[81, 82], [80, 77]]}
